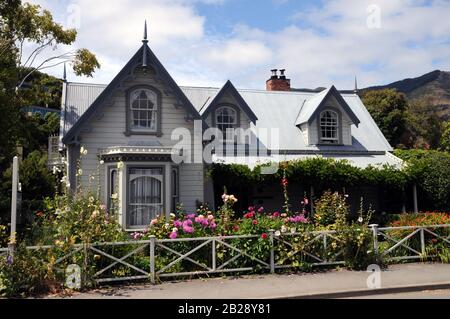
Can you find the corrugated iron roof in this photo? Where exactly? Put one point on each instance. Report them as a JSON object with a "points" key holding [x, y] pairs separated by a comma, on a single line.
{"points": [[277, 110]]}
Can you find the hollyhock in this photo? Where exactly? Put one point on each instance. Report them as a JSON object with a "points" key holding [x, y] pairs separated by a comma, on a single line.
{"points": [[276, 214], [255, 222], [264, 236], [251, 209], [260, 210], [191, 216], [213, 225], [235, 228]]}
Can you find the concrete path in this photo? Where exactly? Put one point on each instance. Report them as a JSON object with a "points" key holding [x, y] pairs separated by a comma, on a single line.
{"points": [[335, 283]]}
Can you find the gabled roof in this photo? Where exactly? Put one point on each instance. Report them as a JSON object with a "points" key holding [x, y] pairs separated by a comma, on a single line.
{"points": [[312, 106], [229, 88], [135, 61]]}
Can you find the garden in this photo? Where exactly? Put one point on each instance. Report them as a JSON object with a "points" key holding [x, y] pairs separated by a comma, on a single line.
{"points": [[75, 242]]}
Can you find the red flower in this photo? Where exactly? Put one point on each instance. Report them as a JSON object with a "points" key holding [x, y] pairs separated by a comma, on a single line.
{"points": [[235, 228], [284, 182], [264, 236], [276, 214], [39, 214], [255, 222], [249, 215]]}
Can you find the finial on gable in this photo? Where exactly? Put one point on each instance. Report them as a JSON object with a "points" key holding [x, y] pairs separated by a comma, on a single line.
{"points": [[144, 49], [356, 86]]}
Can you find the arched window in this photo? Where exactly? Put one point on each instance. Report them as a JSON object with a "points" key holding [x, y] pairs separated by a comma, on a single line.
{"points": [[144, 110], [226, 118], [329, 127]]}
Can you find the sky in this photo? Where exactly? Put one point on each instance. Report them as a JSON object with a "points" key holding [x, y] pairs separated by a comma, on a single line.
{"points": [[319, 43]]}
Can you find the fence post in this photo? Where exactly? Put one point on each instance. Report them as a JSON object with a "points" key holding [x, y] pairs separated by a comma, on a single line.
{"points": [[375, 237], [272, 251], [325, 257], [152, 260], [213, 253], [422, 241]]}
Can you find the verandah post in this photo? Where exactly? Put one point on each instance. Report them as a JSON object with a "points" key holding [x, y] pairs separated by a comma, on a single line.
{"points": [[272, 251], [152, 260]]}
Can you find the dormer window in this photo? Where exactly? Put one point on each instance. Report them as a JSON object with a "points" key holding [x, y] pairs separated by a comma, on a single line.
{"points": [[226, 121], [329, 127], [144, 111]]}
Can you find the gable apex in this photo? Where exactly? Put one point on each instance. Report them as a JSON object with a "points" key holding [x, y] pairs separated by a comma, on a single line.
{"points": [[229, 88], [312, 106], [143, 55]]}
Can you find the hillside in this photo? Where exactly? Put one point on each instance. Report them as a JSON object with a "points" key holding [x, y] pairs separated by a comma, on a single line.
{"points": [[434, 85]]}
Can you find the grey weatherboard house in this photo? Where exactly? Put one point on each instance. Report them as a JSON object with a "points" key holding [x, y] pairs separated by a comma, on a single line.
{"points": [[129, 124]]}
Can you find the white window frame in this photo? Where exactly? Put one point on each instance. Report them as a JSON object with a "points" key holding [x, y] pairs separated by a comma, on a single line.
{"points": [[328, 126], [128, 205], [228, 135], [153, 98]]}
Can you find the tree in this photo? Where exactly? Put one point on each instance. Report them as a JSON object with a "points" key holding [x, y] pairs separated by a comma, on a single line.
{"points": [[30, 24], [445, 138], [424, 123], [387, 108]]}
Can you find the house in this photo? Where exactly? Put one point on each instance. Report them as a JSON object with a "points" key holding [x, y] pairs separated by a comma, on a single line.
{"points": [[151, 135]]}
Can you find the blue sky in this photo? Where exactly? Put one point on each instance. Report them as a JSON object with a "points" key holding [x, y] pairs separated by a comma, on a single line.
{"points": [[320, 43]]}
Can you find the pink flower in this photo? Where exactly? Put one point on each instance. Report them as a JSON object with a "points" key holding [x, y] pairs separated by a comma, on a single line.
{"points": [[191, 216], [188, 229], [187, 222], [306, 201], [261, 209], [173, 235], [264, 236], [177, 224], [255, 222], [249, 215], [210, 217], [276, 214], [251, 209], [213, 225]]}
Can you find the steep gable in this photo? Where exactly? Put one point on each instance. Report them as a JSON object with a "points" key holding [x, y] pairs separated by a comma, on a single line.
{"points": [[143, 57]]}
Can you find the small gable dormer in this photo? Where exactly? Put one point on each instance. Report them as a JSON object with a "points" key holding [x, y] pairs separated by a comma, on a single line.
{"points": [[326, 119], [228, 111]]}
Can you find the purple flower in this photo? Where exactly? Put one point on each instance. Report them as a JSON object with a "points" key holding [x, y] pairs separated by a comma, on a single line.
{"points": [[213, 225], [260, 210], [9, 259], [177, 224], [173, 235], [187, 223], [188, 229]]}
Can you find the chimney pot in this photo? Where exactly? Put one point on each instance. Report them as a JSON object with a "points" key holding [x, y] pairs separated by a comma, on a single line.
{"points": [[276, 83]]}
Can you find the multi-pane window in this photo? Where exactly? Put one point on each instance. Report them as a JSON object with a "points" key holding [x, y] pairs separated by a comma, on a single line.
{"points": [[144, 108], [226, 121], [145, 196], [329, 126]]}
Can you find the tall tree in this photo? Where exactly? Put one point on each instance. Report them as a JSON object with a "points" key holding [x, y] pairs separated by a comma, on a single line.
{"points": [[387, 108]]}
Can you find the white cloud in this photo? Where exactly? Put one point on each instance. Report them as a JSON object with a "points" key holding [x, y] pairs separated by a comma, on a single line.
{"points": [[328, 44]]}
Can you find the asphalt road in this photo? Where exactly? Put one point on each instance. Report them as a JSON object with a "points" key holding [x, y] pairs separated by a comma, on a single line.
{"points": [[426, 294]]}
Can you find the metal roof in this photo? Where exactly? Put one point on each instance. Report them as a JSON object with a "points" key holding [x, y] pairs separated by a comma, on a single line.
{"points": [[278, 110]]}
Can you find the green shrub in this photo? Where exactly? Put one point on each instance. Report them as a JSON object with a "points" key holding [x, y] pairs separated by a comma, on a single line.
{"points": [[27, 273], [330, 208]]}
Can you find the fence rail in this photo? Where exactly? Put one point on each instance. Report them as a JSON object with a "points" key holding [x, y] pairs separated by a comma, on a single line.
{"points": [[159, 258]]}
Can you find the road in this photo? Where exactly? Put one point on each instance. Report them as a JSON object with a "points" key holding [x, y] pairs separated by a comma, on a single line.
{"points": [[425, 294]]}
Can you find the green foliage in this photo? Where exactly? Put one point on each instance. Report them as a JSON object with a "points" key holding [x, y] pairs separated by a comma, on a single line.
{"points": [[27, 274], [387, 108], [445, 138], [431, 171], [330, 209], [4, 236], [85, 63], [42, 90], [424, 123]]}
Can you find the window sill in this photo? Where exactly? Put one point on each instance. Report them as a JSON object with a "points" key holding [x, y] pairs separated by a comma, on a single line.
{"points": [[130, 133]]}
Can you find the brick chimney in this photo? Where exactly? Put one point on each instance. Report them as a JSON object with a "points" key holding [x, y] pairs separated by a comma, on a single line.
{"points": [[278, 83]]}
